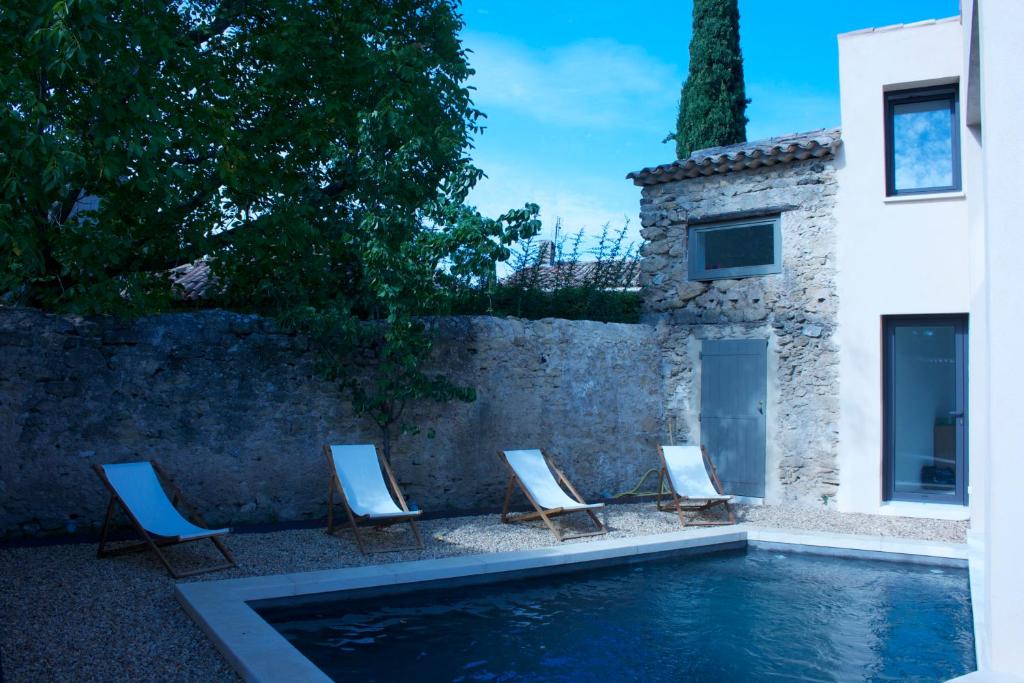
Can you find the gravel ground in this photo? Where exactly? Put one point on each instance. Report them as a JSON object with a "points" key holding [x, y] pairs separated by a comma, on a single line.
{"points": [[65, 615]]}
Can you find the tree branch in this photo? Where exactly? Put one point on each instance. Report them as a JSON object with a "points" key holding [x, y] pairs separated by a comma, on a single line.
{"points": [[201, 197], [68, 205], [223, 18]]}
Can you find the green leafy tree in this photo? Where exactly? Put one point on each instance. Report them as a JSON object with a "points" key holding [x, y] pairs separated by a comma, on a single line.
{"points": [[713, 104], [317, 153], [117, 101]]}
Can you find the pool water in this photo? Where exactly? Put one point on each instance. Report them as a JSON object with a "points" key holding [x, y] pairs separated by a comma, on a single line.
{"points": [[728, 616]]}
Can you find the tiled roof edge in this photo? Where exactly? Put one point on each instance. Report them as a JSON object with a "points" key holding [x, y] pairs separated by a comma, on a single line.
{"points": [[784, 149]]}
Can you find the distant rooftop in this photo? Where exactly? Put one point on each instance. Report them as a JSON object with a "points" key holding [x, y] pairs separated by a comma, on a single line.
{"points": [[192, 281], [620, 274], [783, 149], [548, 273]]}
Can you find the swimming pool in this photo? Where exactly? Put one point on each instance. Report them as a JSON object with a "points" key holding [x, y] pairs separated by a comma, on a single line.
{"points": [[731, 615]]}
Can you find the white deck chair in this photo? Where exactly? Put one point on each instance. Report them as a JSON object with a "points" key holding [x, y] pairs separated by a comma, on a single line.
{"points": [[355, 472], [536, 474], [136, 487], [692, 482]]}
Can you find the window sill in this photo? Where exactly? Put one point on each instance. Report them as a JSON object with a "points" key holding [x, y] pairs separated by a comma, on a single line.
{"points": [[902, 508], [741, 276], [930, 197]]}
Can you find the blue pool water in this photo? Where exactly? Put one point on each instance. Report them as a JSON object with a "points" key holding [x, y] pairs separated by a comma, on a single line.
{"points": [[728, 616]]}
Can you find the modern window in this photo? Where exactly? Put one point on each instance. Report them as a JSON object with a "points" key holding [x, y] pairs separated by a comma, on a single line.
{"points": [[922, 141], [735, 249], [925, 408]]}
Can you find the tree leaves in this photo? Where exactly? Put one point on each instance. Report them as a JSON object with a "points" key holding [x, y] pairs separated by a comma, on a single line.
{"points": [[713, 102], [314, 152], [89, 190]]}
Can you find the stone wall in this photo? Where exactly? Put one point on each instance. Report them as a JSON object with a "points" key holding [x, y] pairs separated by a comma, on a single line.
{"points": [[235, 410], [794, 310]]}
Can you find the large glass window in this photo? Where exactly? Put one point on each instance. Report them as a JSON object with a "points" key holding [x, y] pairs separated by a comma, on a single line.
{"points": [[922, 141], [926, 408], [736, 249]]}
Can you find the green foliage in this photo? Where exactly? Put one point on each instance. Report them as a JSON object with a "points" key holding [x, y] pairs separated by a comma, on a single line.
{"points": [[593, 289], [317, 152], [353, 206], [714, 102], [568, 303], [110, 100]]}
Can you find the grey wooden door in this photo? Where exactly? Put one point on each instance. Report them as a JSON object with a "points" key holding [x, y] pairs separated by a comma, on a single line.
{"points": [[733, 394]]}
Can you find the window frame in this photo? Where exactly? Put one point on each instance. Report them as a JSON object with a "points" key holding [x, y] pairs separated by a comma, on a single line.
{"points": [[950, 93], [961, 325], [696, 250]]}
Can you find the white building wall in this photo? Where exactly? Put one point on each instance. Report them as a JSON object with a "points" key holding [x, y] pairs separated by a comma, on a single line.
{"points": [[999, 371], [978, 441], [894, 255]]}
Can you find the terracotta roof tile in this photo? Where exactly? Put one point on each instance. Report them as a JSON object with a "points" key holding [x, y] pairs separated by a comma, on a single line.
{"points": [[192, 281], [619, 275], [784, 149]]}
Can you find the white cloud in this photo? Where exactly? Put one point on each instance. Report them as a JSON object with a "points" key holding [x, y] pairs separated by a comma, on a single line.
{"points": [[924, 149], [593, 83], [588, 202]]}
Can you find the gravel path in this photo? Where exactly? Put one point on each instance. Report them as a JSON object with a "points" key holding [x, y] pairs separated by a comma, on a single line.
{"points": [[64, 615]]}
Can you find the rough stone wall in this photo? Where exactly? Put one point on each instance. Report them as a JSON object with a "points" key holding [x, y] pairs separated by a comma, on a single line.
{"points": [[794, 310], [235, 411]]}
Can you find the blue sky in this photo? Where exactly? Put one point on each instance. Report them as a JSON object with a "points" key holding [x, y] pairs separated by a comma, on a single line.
{"points": [[578, 93]]}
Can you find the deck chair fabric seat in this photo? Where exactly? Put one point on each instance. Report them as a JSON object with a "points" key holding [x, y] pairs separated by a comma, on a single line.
{"points": [[137, 488], [692, 481], [357, 474], [540, 480], [532, 470], [688, 473]]}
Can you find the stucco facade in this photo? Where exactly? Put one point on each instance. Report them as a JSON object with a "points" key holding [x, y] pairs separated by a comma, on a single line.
{"points": [[902, 255], [990, 50]]}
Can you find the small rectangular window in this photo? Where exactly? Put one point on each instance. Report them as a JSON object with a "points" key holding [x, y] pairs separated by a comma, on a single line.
{"points": [[737, 249], [922, 141]]}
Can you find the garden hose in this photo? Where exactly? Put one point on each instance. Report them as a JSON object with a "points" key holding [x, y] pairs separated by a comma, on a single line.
{"points": [[635, 491]]}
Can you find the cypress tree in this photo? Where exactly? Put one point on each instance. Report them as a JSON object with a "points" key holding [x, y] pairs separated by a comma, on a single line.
{"points": [[713, 103]]}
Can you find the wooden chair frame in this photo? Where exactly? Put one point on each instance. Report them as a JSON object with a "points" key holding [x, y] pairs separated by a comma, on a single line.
{"points": [[335, 484], [680, 503], [152, 541], [540, 512]]}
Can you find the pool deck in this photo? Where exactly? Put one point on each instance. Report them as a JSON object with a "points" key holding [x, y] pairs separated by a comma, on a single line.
{"points": [[64, 615]]}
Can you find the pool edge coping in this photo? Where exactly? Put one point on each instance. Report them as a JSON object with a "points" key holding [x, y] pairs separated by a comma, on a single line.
{"points": [[258, 653]]}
